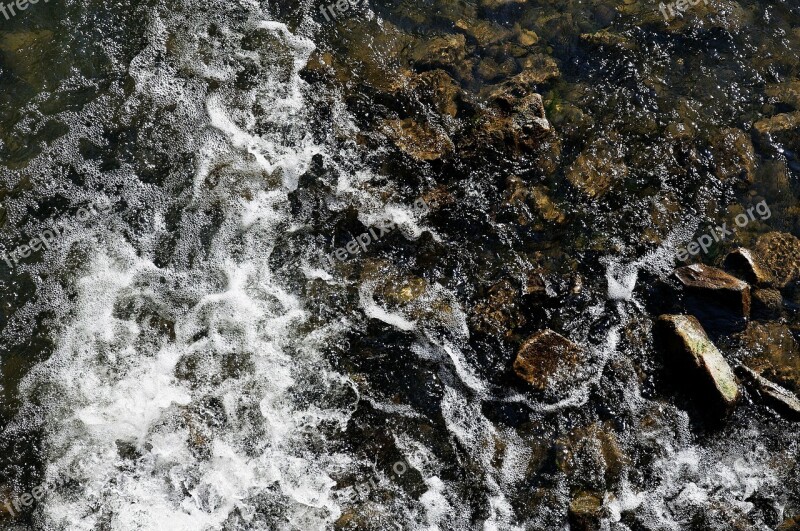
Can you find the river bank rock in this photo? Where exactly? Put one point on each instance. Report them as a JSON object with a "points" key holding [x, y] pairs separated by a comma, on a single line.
{"points": [[684, 338], [781, 400], [715, 285], [548, 360]]}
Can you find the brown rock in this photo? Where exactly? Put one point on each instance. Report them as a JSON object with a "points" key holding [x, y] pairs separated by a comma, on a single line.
{"points": [[734, 155], [775, 353], [521, 128], [781, 400], [497, 4], [779, 254], [785, 92], [778, 123], [537, 69], [767, 304], [421, 141], [684, 336], [483, 31], [497, 313], [548, 210], [439, 88], [585, 511], [742, 262], [527, 37], [598, 167], [490, 69], [790, 524], [717, 285], [439, 52], [547, 359]]}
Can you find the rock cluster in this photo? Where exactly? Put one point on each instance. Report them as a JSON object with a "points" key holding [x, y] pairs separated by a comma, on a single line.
{"points": [[715, 299]]}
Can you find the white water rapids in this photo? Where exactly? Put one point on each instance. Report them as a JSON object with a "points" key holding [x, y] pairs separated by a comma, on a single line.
{"points": [[192, 389]]}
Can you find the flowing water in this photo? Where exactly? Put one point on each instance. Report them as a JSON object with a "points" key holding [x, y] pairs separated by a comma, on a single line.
{"points": [[195, 358]]}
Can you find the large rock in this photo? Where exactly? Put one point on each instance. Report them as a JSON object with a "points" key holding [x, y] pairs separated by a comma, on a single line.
{"points": [[685, 338], [548, 359], [782, 400], [714, 292], [779, 254]]}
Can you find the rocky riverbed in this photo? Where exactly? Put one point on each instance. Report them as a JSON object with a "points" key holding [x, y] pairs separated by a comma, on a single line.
{"points": [[593, 324]]}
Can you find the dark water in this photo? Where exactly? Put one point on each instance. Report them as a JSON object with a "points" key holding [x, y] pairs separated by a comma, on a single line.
{"points": [[195, 357]]}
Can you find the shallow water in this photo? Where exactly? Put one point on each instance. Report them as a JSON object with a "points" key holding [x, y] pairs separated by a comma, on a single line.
{"points": [[196, 358]]}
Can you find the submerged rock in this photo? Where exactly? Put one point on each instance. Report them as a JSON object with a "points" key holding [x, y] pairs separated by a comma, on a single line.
{"points": [[517, 129], [742, 262], [734, 155], [685, 337], [790, 524], [585, 511], [781, 400], [439, 52], [716, 286], [548, 359], [598, 167], [779, 254], [767, 304], [775, 353], [420, 141], [778, 123], [437, 87], [483, 31]]}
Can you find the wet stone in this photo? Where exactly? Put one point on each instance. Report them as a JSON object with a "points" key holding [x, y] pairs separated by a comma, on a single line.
{"points": [[482, 31], [775, 353], [734, 155], [767, 304], [790, 524], [779, 254], [742, 263], [781, 400], [685, 339], [585, 511], [715, 287], [490, 69], [440, 89], [598, 167], [548, 359], [778, 123], [420, 141], [439, 52]]}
